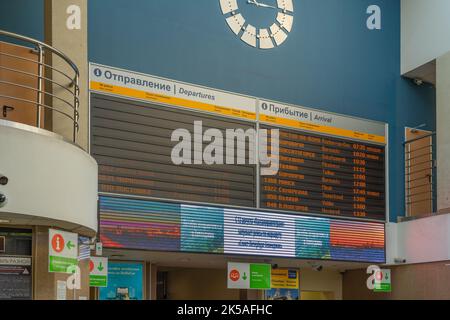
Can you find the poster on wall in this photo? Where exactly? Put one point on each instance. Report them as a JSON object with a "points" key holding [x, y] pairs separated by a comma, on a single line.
{"points": [[125, 282], [282, 294], [15, 278], [15, 264]]}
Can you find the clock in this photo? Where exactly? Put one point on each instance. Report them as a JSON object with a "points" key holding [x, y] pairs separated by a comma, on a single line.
{"points": [[266, 37]]}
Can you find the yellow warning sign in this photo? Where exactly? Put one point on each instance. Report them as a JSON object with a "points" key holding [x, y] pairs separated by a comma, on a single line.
{"points": [[285, 279]]}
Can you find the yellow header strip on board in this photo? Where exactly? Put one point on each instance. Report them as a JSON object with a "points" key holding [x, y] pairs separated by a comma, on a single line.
{"points": [[144, 95], [321, 129]]}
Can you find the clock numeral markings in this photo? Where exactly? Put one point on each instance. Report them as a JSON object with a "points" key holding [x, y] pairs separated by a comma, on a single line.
{"points": [[264, 38], [249, 35], [265, 41], [236, 23], [228, 6]]}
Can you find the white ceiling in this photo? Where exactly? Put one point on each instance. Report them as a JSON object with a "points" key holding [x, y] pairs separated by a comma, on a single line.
{"points": [[426, 72]]}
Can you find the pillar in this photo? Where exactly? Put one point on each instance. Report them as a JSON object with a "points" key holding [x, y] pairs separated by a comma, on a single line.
{"points": [[72, 41]]}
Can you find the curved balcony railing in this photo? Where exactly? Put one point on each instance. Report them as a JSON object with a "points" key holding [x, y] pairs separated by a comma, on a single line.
{"points": [[55, 90]]}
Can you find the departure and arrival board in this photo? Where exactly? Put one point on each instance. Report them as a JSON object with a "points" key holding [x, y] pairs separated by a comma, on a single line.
{"points": [[329, 164], [325, 175]]}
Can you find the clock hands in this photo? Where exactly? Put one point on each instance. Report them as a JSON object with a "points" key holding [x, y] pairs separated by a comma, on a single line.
{"points": [[259, 4]]}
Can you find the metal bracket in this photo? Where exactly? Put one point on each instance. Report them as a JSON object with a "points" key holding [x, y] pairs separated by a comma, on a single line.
{"points": [[6, 109]]}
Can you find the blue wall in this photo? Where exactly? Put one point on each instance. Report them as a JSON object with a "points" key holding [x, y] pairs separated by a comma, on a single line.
{"points": [[25, 17], [330, 60]]}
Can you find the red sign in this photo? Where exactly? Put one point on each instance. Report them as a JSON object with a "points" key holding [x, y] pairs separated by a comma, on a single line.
{"points": [[379, 275], [58, 243], [91, 266], [234, 275]]}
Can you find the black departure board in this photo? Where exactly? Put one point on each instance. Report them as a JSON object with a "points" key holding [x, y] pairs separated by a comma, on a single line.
{"points": [[318, 174], [324, 175], [131, 141]]}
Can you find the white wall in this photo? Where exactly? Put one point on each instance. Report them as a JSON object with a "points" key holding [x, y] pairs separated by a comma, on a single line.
{"points": [[442, 132], [425, 31], [50, 180], [419, 241]]}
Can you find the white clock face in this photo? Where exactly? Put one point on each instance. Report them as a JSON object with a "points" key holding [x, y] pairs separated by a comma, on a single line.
{"points": [[267, 37]]}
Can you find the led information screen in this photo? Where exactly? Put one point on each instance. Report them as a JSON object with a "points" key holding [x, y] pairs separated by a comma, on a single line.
{"points": [[325, 175], [161, 226], [132, 144]]}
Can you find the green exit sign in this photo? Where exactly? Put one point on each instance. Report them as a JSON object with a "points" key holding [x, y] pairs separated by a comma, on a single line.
{"points": [[260, 276]]}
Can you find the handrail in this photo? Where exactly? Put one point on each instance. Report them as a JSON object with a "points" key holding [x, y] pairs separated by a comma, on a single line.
{"points": [[42, 44], [41, 78]]}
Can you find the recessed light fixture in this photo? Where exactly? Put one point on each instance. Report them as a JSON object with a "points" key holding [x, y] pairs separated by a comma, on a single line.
{"points": [[4, 221]]}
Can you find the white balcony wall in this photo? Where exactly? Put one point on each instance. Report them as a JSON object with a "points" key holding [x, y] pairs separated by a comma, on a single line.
{"points": [[51, 182], [425, 32]]}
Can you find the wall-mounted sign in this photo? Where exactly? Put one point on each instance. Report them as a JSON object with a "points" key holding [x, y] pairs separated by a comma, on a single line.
{"points": [[98, 272], [15, 261], [139, 86], [63, 251], [316, 121], [248, 275], [382, 281], [285, 279], [15, 278], [125, 282], [163, 226], [98, 248]]}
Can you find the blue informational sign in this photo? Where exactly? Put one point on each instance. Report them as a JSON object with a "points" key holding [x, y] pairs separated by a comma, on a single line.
{"points": [[125, 282]]}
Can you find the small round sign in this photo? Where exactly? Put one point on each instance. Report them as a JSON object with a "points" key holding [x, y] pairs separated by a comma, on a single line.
{"points": [[58, 243], [234, 275]]}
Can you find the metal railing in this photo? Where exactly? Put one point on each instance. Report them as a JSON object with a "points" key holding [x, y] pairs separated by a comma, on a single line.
{"points": [[68, 104], [420, 175]]}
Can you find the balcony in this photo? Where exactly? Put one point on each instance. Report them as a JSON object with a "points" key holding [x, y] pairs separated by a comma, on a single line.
{"points": [[50, 179]]}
